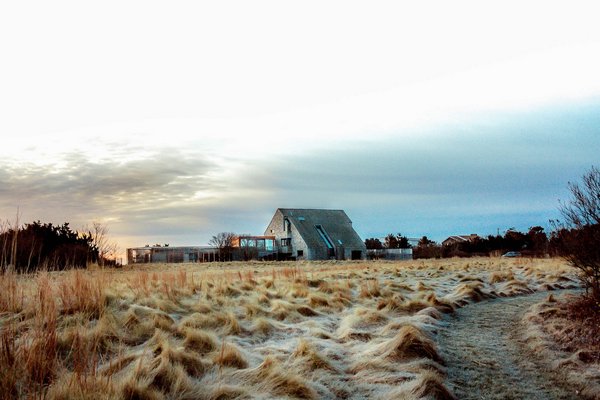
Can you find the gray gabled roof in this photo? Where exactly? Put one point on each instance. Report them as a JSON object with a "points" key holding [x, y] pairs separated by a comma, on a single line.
{"points": [[335, 223]]}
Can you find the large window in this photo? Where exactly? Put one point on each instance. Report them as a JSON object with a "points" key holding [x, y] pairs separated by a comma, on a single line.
{"points": [[324, 236], [286, 242]]}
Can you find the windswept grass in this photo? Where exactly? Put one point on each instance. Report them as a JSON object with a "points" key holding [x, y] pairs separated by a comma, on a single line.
{"points": [[233, 330], [567, 333]]}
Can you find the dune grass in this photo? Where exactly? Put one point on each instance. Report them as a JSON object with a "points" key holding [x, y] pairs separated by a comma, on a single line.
{"points": [[244, 330], [566, 333]]}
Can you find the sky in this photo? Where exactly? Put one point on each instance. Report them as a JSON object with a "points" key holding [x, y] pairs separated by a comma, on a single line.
{"points": [[170, 122]]}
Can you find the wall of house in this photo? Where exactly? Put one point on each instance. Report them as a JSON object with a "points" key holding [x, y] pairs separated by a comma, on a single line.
{"points": [[276, 228], [318, 249]]}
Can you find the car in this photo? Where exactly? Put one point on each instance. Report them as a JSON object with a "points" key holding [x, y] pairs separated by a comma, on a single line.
{"points": [[512, 254]]}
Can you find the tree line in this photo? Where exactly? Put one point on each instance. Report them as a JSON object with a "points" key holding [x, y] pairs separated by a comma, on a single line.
{"points": [[535, 242], [391, 241], [576, 238], [40, 245]]}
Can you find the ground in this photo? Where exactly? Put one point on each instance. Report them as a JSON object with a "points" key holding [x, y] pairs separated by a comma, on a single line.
{"points": [[248, 330], [565, 332], [485, 349]]}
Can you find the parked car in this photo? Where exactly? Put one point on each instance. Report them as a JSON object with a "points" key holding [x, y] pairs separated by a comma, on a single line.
{"points": [[512, 254]]}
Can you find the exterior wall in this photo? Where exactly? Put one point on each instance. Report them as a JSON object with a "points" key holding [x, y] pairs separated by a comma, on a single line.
{"points": [[391, 254], [317, 251], [173, 254], [299, 244], [276, 228]]}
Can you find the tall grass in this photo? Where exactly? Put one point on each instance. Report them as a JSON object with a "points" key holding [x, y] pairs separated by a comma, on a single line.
{"points": [[267, 331]]}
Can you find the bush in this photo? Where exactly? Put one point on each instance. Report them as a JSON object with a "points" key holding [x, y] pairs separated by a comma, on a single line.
{"points": [[578, 237]]}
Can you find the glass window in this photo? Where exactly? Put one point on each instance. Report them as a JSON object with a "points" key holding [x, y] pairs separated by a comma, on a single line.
{"points": [[323, 235]]}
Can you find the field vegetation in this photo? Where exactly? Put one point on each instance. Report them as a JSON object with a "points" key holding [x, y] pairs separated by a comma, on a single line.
{"points": [[245, 330], [566, 332]]}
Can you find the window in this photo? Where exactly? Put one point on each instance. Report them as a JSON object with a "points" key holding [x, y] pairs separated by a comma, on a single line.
{"points": [[286, 225], [243, 242], [260, 243], [324, 236], [269, 244], [286, 242], [300, 253]]}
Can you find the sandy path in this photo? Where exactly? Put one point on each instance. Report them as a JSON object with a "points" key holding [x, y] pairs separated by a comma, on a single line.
{"points": [[486, 357]]}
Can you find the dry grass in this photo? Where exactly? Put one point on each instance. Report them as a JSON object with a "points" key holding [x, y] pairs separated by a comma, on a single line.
{"points": [[567, 333], [254, 330]]}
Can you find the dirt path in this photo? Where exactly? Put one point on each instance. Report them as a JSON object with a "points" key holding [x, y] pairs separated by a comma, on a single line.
{"points": [[486, 357]]}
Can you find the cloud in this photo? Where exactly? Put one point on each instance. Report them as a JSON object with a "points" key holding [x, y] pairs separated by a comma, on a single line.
{"points": [[156, 191], [174, 195], [498, 171]]}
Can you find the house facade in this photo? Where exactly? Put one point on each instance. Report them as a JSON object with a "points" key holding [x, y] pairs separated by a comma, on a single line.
{"points": [[168, 254], [315, 234], [451, 240]]}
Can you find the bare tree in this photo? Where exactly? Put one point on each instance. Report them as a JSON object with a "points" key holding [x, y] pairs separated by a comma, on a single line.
{"points": [[579, 235], [224, 243], [107, 249]]}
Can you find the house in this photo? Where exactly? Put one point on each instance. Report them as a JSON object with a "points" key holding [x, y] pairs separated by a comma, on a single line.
{"points": [[315, 234], [250, 247], [452, 240], [169, 254]]}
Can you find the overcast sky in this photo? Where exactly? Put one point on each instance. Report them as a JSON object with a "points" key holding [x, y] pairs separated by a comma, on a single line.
{"points": [[171, 122]]}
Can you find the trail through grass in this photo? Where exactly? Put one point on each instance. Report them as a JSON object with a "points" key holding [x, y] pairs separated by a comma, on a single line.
{"points": [[486, 356]]}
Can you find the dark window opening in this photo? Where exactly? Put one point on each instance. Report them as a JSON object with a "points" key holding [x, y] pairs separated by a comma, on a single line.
{"points": [[300, 253], [356, 255], [286, 242]]}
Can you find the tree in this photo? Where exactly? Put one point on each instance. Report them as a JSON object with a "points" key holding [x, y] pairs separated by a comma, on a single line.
{"points": [[373, 244], [224, 243], [537, 241], [46, 246], [424, 241], [427, 248], [396, 242], [107, 249], [579, 235]]}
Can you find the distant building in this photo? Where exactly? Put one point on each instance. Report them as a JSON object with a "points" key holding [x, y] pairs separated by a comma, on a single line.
{"points": [[315, 234], [168, 254], [247, 247], [296, 234], [390, 254], [452, 240]]}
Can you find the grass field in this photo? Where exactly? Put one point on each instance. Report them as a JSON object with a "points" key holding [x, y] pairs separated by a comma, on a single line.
{"points": [[245, 330]]}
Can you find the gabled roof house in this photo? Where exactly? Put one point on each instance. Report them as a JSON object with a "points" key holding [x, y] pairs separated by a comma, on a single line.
{"points": [[316, 234], [451, 240]]}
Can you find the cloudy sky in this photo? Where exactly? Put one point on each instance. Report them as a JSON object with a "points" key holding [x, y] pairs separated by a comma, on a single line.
{"points": [[171, 122]]}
